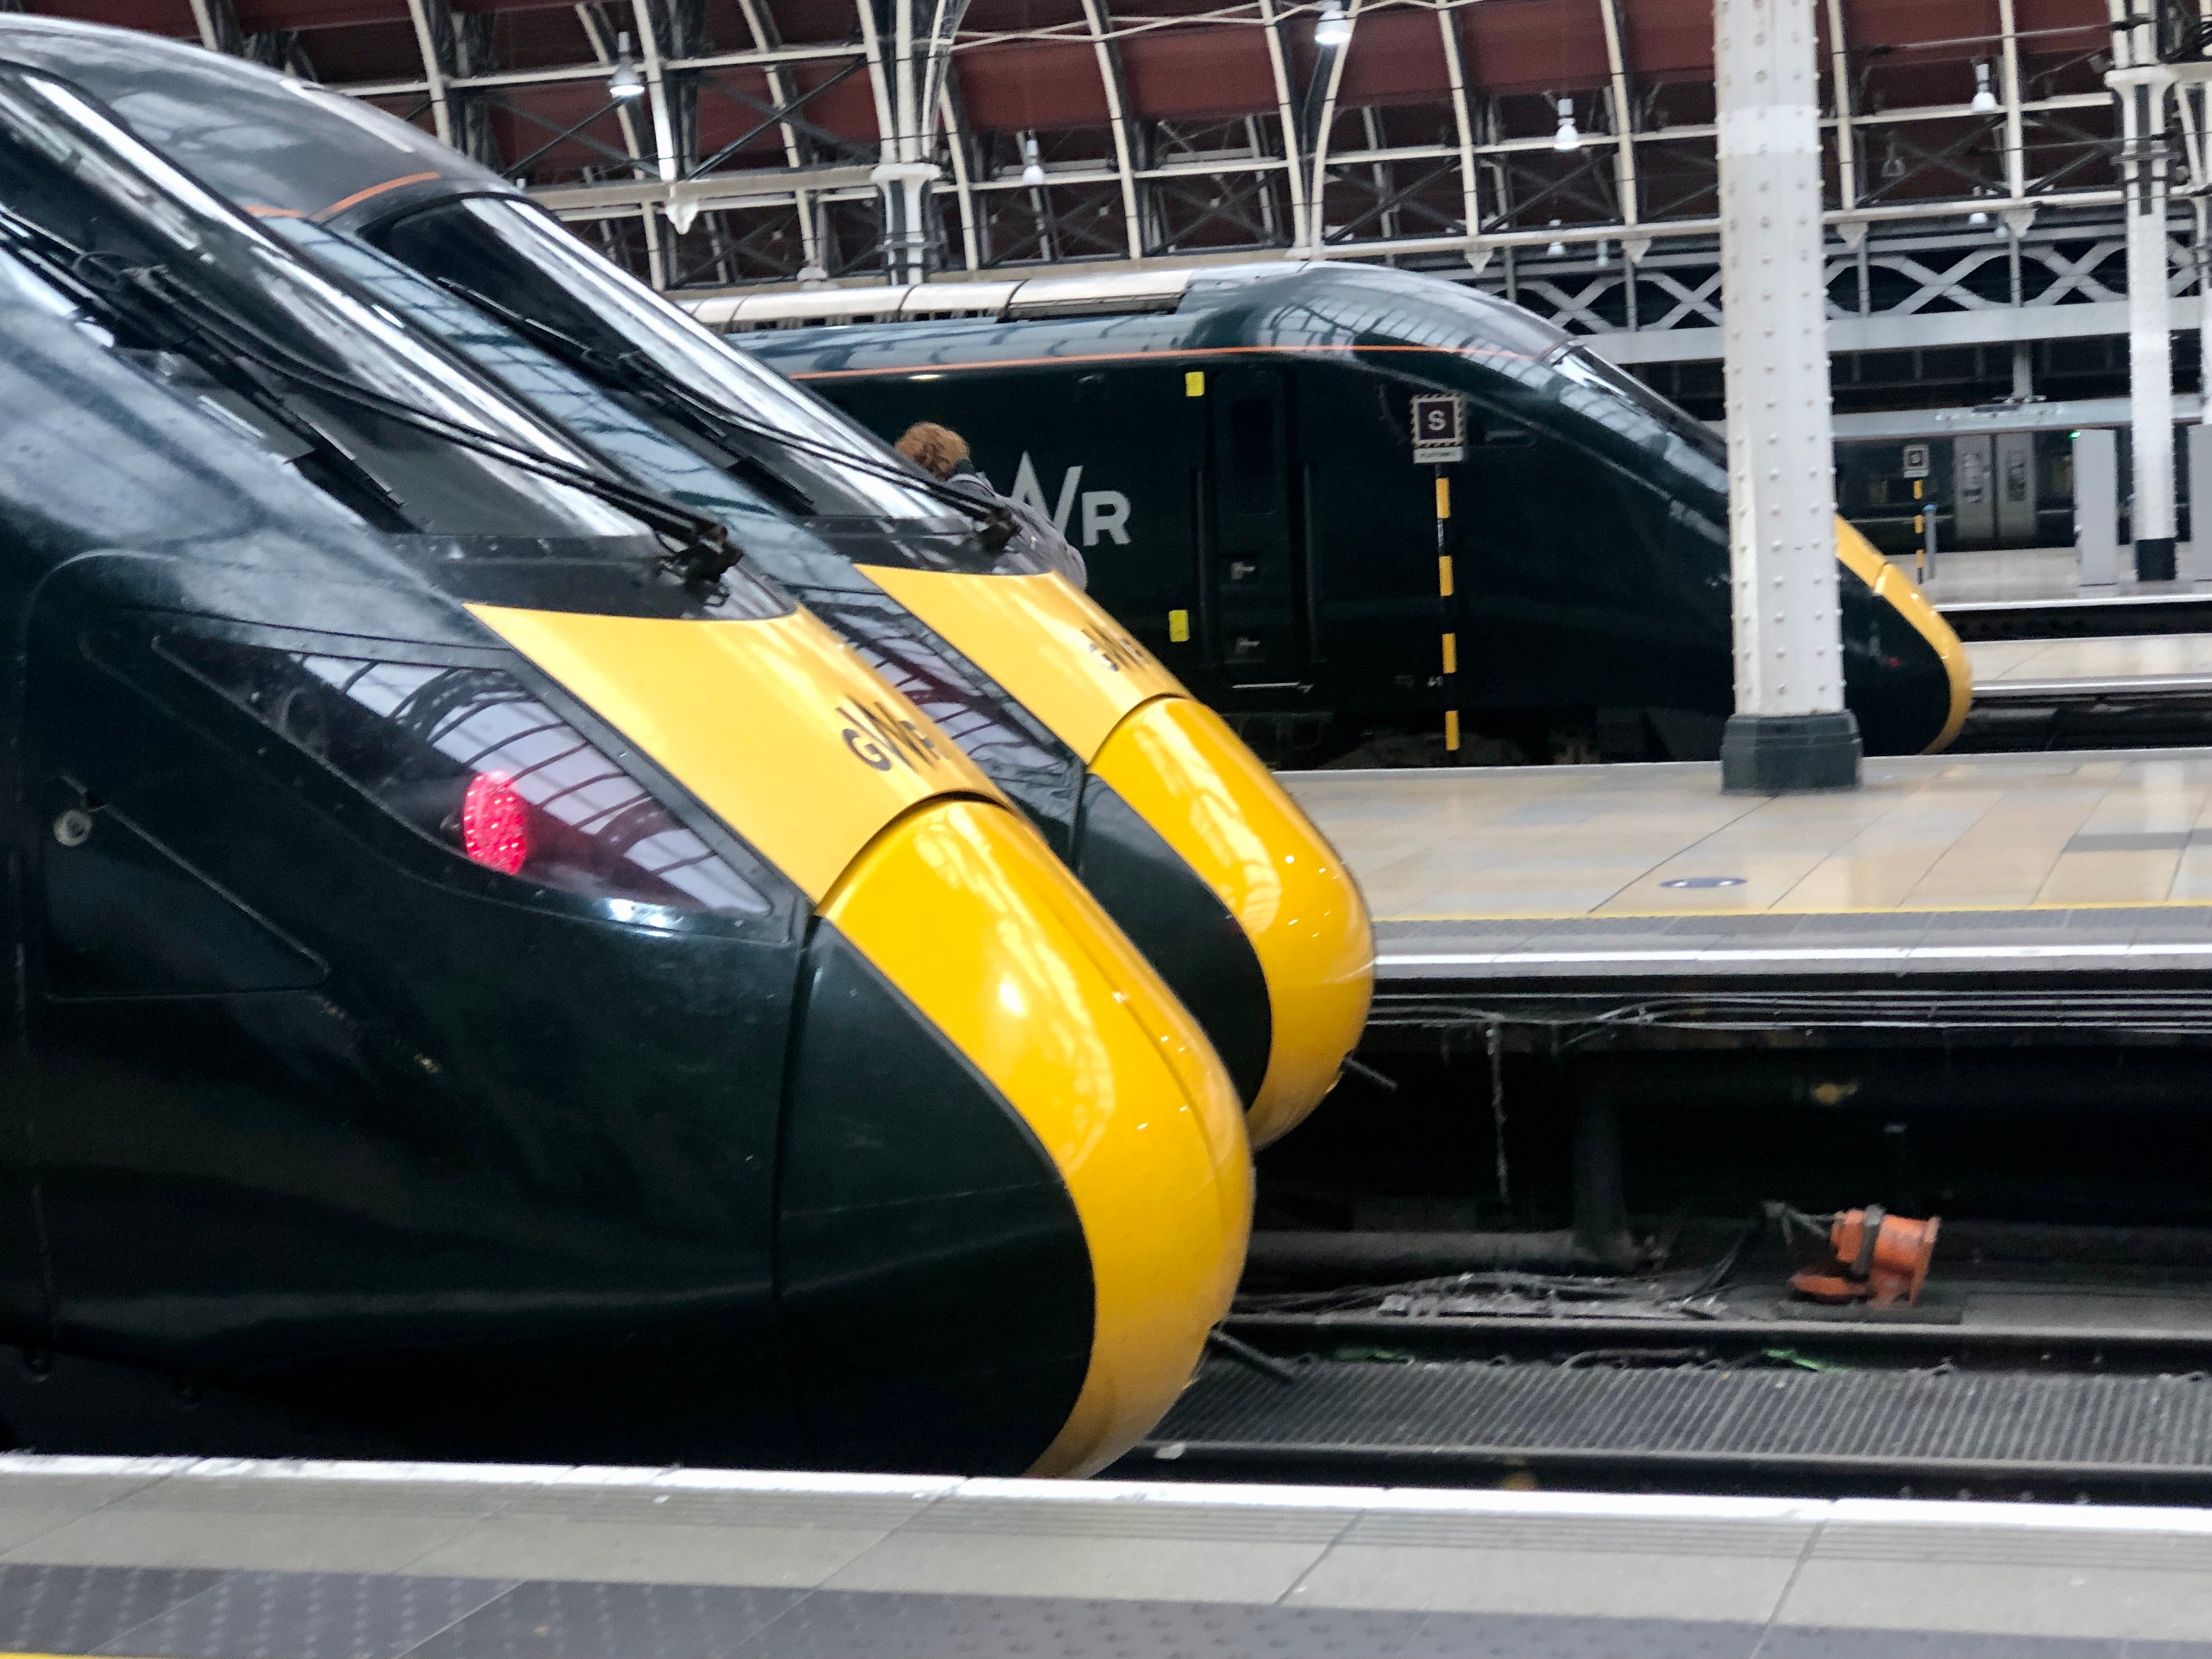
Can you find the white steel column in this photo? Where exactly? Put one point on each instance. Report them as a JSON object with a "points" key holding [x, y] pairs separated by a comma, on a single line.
{"points": [[434, 71], [911, 83], [1301, 244], [2141, 87], [1790, 730]]}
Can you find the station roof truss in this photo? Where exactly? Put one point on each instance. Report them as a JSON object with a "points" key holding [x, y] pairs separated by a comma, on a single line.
{"points": [[1096, 135]]}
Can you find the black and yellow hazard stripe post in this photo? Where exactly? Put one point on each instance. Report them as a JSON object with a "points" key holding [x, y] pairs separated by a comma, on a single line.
{"points": [[1448, 680]]}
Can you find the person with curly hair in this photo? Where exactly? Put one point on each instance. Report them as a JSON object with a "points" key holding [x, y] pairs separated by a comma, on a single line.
{"points": [[943, 453]]}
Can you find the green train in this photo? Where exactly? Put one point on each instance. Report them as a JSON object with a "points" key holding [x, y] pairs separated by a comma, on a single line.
{"points": [[489, 977], [1127, 776], [1232, 449]]}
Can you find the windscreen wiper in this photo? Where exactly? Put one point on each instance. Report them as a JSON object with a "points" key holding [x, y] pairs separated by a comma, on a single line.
{"points": [[148, 298]]}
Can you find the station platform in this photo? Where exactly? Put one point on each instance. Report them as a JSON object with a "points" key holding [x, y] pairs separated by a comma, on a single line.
{"points": [[182, 1559], [2035, 576], [2041, 670], [2037, 593], [2049, 874]]}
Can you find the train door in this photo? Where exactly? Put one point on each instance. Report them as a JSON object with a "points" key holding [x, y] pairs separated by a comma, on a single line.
{"points": [[1256, 561], [1973, 502], [2015, 489]]}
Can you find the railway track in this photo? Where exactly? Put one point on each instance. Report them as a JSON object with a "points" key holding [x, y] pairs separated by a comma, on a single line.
{"points": [[1580, 1341], [1820, 1407]]}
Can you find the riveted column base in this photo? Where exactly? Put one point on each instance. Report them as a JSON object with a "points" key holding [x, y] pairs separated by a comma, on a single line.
{"points": [[1790, 754]]}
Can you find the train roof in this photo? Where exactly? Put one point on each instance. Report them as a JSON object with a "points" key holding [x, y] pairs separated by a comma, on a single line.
{"points": [[370, 164], [1281, 304], [369, 159]]}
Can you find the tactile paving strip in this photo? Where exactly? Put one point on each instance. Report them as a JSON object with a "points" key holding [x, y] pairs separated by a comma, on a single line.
{"points": [[164, 1614]]}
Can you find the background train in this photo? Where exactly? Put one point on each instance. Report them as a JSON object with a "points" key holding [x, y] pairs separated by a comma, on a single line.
{"points": [[488, 978], [1171, 821], [1232, 449]]}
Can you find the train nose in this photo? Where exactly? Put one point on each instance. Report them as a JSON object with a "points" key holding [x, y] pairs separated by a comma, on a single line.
{"points": [[1015, 1184], [1190, 843], [1906, 675], [1186, 773]]}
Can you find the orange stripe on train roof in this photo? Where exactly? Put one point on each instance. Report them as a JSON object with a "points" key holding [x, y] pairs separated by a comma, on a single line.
{"points": [[360, 196], [1172, 352]]}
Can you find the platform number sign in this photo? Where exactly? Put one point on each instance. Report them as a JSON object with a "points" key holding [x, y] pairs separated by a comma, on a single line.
{"points": [[1439, 429], [1915, 460]]}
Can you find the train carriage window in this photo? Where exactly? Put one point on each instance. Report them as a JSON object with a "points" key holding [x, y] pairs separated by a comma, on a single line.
{"points": [[1253, 458]]}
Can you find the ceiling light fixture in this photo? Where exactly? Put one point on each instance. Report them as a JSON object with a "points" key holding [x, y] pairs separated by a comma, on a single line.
{"points": [[1985, 100], [1334, 28], [1032, 166], [625, 82], [1557, 250], [1569, 136]]}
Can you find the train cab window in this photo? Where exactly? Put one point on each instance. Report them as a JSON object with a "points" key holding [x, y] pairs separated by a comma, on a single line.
{"points": [[1252, 469]]}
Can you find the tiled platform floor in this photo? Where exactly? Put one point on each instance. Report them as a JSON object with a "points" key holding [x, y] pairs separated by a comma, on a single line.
{"points": [[1983, 575], [2004, 863], [174, 1559], [2023, 668]]}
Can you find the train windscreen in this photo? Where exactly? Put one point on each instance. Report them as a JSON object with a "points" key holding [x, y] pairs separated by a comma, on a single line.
{"points": [[1619, 400], [520, 264], [199, 298]]}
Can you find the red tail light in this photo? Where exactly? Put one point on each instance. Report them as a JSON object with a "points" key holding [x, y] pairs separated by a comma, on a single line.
{"points": [[495, 823], [470, 758]]}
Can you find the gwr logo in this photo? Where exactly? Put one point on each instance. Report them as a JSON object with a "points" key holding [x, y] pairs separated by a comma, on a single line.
{"points": [[881, 739], [1105, 512], [1119, 650]]}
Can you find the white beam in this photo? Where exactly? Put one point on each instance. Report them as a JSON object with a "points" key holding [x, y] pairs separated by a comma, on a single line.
{"points": [[1462, 121], [656, 90], [1624, 113], [1109, 81], [2015, 128], [434, 72], [204, 21], [962, 185], [1317, 218], [1839, 76], [2140, 83], [762, 28], [1286, 114]]}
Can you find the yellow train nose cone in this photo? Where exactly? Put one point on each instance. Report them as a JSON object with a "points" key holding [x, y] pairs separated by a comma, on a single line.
{"points": [[964, 909], [1931, 679], [1177, 763]]}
